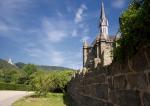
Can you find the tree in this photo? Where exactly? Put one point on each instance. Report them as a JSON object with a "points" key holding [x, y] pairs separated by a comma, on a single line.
{"points": [[43, 82], [30, 69], [40, 83], [135, 29]]}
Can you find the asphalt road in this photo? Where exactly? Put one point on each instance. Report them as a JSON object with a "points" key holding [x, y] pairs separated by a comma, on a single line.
{"points": [[9, 97]]}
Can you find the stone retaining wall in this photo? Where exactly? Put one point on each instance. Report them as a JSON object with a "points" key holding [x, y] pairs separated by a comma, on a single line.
{"points": [[116, 85]]}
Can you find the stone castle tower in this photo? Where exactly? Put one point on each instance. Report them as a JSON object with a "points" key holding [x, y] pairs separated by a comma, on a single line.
{"points": [[99, 53]]}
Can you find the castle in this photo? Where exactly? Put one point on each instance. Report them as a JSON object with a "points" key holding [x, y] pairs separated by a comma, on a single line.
{"points": [[99, 53]]}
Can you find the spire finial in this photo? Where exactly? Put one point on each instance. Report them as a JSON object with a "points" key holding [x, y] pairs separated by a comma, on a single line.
{"points": [[102, 11], [103, 25]]}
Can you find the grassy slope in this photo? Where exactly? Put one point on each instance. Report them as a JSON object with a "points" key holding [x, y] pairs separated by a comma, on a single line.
{"points": [[53, 99], [4, 65]]}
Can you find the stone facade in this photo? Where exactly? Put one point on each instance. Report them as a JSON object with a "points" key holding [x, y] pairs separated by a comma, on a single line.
{"points": [[125, 84], [100, 52]]}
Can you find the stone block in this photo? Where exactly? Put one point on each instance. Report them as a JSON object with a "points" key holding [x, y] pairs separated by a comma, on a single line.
{"points": [[98, 103], [109, 104], [110, 82], [148, 54], [149, 78], [146, 99], [120, 82], [126, 98], [137, 80], [101, 91], [114, 69], [101, 70], [89, 81], [90, 101], [99, 79], [89, 90], [139, 62], [87, 101]]}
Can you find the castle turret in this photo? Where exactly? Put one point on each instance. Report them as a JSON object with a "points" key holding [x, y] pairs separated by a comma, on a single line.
{"points": [[103, 24], [85, 53]]}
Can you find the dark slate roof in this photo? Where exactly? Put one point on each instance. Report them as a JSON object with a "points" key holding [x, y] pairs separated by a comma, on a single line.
{"points": [[112, 37]]}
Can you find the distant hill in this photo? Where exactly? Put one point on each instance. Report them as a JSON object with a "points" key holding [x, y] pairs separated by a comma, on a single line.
{"points": [[44, 67], [20, 64], [4, 65]]}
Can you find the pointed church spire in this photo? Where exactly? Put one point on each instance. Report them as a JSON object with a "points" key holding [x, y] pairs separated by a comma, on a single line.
{"points": [[103, 23], [102, 11]]}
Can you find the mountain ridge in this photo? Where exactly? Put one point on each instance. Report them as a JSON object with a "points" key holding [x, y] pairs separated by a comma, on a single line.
{"points": [[44, 67], [19, 65]]}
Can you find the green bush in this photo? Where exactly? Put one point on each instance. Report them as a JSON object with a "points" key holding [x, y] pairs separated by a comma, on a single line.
{"points": [[135, 30], [43, 83], [9, 86]]}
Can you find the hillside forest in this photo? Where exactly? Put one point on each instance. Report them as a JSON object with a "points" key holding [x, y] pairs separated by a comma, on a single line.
{"points": [[31, 77]]}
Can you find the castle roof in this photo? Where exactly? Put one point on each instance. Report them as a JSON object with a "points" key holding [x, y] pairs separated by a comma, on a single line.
{"points": [[112, 37]]}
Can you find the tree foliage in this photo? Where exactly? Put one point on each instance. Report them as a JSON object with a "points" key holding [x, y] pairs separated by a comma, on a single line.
{"points": [[30, 69], [135, 29], [29, 75], [45, 82]]}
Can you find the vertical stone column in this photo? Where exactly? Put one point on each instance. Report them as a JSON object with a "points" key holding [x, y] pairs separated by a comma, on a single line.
{"points": [[97, 58], [97, 49], [85, 54]]}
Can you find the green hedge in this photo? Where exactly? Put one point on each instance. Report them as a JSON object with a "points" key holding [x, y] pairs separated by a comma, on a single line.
{"points": [[9, 86]]}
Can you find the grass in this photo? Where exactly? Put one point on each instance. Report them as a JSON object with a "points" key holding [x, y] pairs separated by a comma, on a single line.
{"points": [[53, 99]]}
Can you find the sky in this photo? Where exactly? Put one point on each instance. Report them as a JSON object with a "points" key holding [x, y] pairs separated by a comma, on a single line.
{"points": [[51, 32]]}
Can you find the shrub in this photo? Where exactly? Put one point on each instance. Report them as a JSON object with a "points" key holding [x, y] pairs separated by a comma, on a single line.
{"points": [[9, 86], [42, 83]]}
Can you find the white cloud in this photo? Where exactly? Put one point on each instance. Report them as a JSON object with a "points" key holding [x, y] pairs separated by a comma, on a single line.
{"points": [[86, 30], [6, 28], [51, 31], [118, 3], [79, 13], [55, 36], [85, 38], [59, 14], [34, 52], [57, 58], [13, 7], [69, 9], [74, 33], [55, 30], [53, 57], [10, 22]]}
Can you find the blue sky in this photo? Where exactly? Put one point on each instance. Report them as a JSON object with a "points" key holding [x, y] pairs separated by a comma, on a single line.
{"points": [[51, 32]]}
